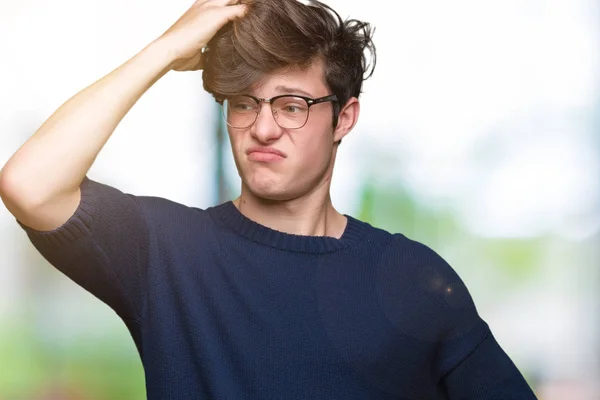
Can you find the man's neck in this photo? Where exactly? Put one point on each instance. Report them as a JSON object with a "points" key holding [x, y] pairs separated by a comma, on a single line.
{"points": [[311, 215]]}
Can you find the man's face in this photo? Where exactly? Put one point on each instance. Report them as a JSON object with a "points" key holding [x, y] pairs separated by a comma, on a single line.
{"points": [[307, 153]]}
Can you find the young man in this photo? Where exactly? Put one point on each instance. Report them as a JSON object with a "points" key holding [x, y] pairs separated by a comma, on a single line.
{"points": [[274, 295]]}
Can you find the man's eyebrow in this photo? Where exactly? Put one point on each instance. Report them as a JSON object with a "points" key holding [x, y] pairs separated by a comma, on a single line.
{"points": [[292, 90]]}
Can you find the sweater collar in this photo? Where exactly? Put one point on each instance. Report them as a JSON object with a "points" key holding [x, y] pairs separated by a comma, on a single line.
{"points": [[231, 217]]}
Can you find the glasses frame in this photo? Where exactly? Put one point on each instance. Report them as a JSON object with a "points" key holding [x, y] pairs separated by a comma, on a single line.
{"points": [[259, 100]]}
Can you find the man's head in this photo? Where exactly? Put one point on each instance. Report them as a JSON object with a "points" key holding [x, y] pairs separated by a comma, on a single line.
{"points": [[289, 47]]}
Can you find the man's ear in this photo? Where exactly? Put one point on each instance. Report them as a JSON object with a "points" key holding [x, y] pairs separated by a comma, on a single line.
{"points": [[347, 119]]}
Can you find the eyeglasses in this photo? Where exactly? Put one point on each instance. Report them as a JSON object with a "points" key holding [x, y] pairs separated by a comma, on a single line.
{"points": [[289, 111]]}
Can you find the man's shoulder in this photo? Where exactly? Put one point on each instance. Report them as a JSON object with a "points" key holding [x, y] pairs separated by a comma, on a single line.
{"points": [[157, 205], [415, 280], [163, 213], [403, 258], [401, 247]]}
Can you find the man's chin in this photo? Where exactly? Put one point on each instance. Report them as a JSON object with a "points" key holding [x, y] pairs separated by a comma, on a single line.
{"points": [[269, 192], [271, 195]]}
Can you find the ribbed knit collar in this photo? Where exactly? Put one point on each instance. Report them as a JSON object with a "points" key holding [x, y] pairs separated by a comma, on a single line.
{"points": [[228, 214]]}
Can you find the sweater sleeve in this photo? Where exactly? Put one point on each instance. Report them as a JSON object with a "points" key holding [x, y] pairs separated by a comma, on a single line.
{"points": [[470, 364], [103, 247], [485, 373]]}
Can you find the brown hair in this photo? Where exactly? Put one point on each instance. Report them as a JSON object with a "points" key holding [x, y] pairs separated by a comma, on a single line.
{"points": [[276, 34]]}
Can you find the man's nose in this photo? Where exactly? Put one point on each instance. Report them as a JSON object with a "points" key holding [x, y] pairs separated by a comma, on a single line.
{"points": [[265, 127]]}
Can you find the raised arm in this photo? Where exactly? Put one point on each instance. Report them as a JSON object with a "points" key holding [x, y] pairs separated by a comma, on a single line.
{"points": [[40, 183]]}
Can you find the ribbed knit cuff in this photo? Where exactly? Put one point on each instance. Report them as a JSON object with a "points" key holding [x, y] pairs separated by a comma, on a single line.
{"points": [[78, 225]]}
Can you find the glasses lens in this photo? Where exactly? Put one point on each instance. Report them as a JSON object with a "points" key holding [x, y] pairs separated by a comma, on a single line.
{"points": [[240, 111], [290, 112]]}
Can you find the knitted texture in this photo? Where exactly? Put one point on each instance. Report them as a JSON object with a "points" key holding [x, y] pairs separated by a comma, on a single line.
{"points": [[223, 308]]}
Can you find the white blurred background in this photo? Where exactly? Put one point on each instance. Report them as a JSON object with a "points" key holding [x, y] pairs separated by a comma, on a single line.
{"points": [[479, 135]]}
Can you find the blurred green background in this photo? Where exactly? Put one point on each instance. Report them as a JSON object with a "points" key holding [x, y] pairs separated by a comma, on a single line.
{"points": [[479, 136]]}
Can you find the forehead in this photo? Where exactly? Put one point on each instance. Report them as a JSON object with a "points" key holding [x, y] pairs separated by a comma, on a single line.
{"points": [[309, 82]]}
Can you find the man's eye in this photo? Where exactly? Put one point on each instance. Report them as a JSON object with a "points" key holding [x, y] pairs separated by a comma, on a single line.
{"points": [[243, 107], [293, 108]]}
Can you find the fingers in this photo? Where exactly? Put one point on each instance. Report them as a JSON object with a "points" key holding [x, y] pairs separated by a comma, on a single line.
{"points": [[217, 3], [231, 8], [226, 2], [237, 11]]}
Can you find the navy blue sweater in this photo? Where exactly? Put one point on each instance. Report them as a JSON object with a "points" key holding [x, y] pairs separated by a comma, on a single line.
{"points": [[223, 308]]}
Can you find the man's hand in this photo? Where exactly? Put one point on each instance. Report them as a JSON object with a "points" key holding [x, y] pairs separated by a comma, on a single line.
{"points": [[40, 183], [194, 29]]}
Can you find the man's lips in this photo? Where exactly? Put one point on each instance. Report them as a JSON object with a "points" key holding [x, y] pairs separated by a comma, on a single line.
{"points": [[259, 153]]}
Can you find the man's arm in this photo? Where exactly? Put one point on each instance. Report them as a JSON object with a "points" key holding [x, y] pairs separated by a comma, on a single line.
{"points": [[95, 234], [429, 296], [487, 373], [40, 183]]}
